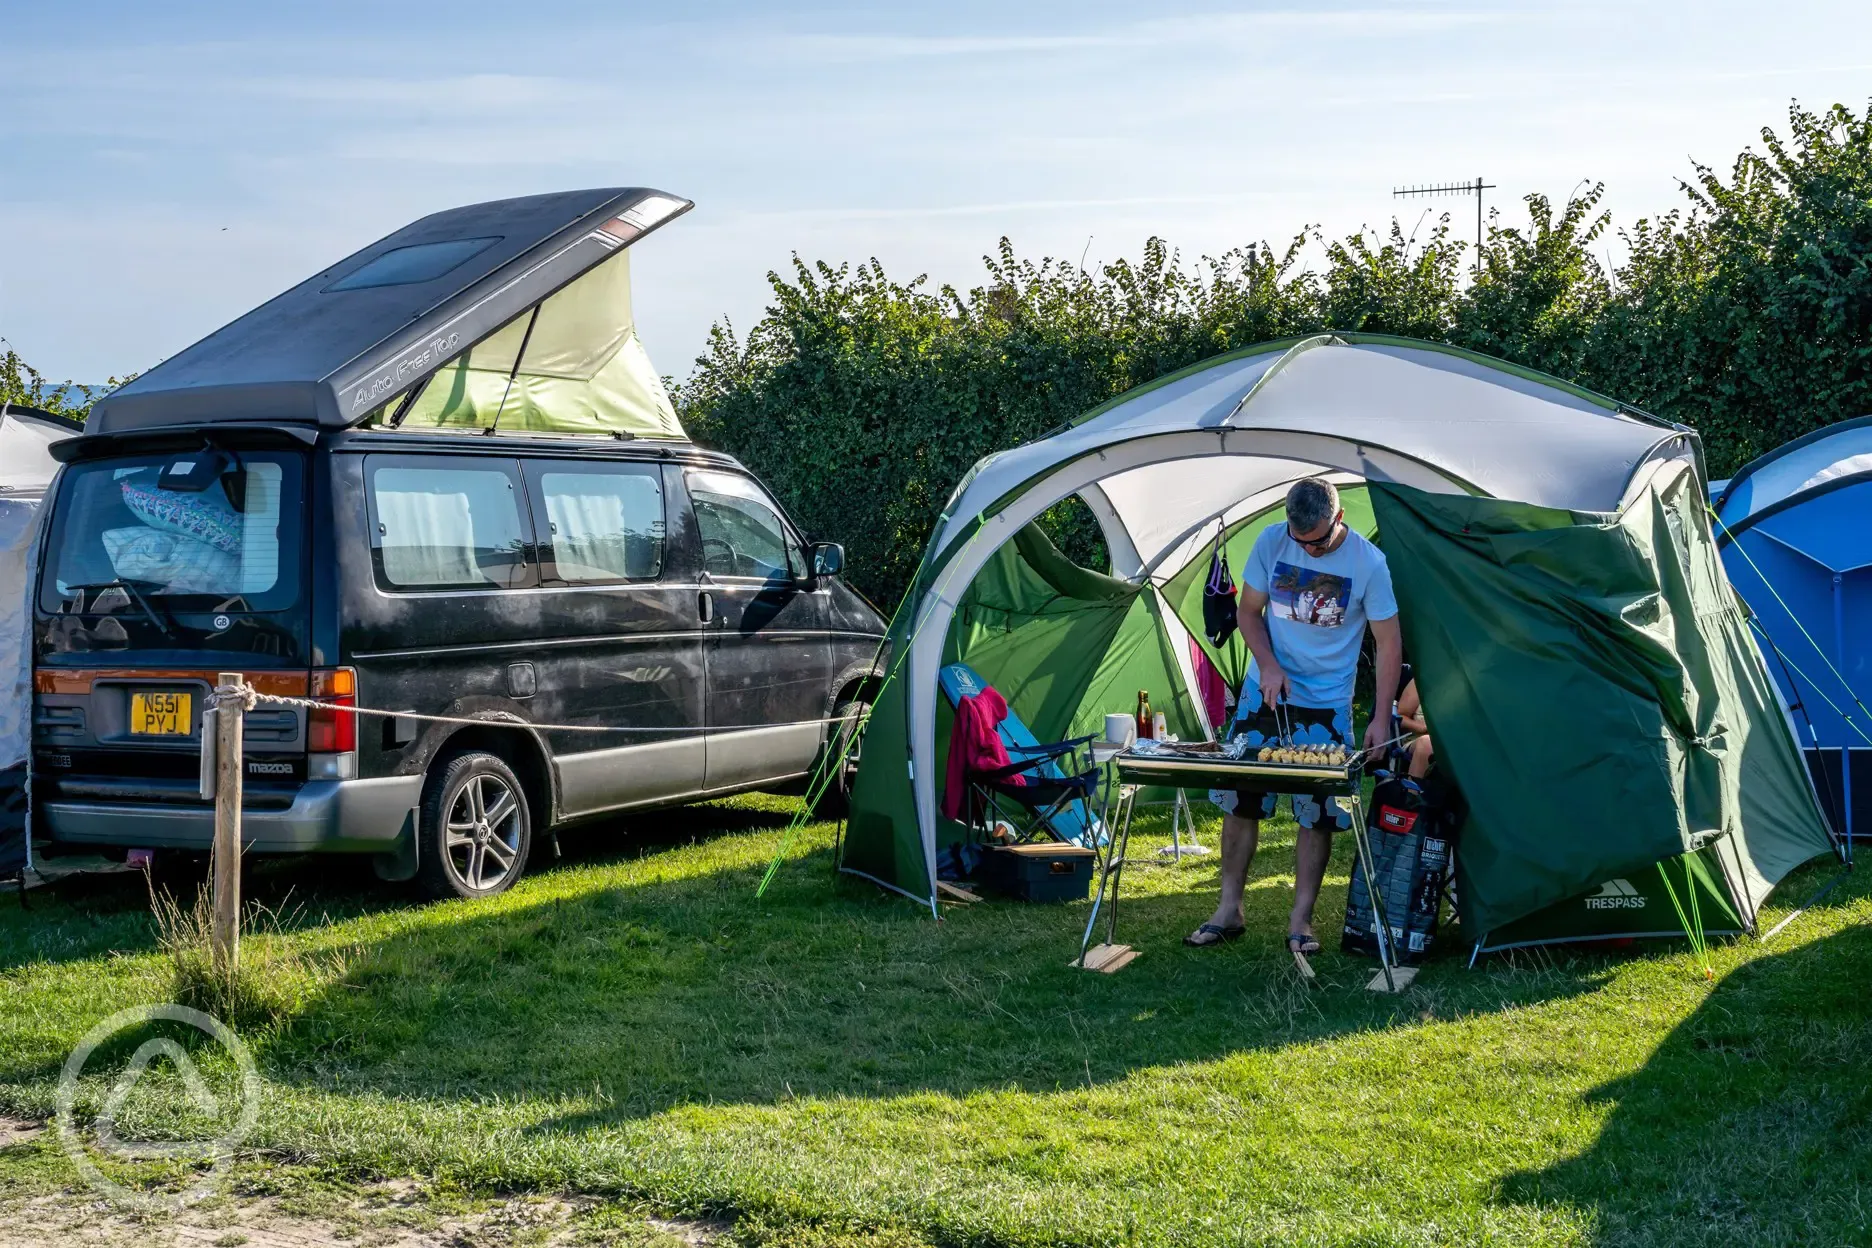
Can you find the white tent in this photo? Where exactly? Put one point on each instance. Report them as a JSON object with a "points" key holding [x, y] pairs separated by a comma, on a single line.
{"points": [[1161, 466], [26, 470], [26, 465]]}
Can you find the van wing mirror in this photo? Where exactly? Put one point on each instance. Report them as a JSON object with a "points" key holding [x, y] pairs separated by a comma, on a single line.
{"points": [[828, 559]]}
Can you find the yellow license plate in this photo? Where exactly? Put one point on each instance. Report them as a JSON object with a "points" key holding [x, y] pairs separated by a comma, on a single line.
{"points": [[160, 714]]}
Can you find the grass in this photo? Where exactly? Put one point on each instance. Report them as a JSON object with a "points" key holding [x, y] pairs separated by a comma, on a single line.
{"points": [[825, 1065], [270, 981]]}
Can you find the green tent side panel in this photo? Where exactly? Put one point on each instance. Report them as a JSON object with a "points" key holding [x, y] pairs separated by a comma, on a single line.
{"points": [[1588, 697], [1027, 623], [1138, 657], [1034, 625], [1064, 644], [1184, 590], [1782, 825], [881, 839], [1656, 901]]}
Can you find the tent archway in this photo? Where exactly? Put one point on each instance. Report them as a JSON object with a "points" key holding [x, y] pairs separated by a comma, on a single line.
{"points": [[1297, 455], [1167, 467]]}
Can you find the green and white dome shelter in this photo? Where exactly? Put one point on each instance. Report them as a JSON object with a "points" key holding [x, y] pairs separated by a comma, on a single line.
{"points": [[1546, 543]]}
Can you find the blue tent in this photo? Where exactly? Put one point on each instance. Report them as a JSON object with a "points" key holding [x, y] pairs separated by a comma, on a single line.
{"points": [[1796, 538]]}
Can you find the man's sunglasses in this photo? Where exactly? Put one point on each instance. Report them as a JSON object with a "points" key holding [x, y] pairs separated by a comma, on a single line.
{"points": [[1318, 544]]}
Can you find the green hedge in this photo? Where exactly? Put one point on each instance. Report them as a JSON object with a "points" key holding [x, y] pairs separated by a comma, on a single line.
{"points": [[1747, 313]]}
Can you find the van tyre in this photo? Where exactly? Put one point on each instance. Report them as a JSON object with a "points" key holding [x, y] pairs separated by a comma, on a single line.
{"points": [[835, 799], [476, 828]]}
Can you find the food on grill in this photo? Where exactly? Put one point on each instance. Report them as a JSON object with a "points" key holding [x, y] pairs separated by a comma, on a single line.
{"points": [[1297, 755]]}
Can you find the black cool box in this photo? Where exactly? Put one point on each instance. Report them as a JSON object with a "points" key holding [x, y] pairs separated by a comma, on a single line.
{"points": [[1044, 872]]}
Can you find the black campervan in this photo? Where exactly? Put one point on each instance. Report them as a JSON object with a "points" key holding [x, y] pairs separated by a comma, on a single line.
{"points": [[439, 478]]}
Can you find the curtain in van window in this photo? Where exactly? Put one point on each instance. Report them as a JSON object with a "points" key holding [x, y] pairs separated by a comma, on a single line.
{"points": [[447, 526], [260, 536], [606, 526], [418, 548]]}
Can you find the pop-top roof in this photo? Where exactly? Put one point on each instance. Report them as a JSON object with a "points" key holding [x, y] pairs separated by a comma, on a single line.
{"points": [[340, 343]]}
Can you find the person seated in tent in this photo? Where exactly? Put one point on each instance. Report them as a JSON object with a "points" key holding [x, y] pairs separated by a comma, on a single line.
{"points": [[1309, 589], [1410, 719]]}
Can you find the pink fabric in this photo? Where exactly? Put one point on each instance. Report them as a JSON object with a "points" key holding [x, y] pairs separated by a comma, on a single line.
{"points": [[974, 745], [1210, 686]]}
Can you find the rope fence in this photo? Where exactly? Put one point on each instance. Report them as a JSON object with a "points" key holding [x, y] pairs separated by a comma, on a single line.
{"points": [[246, 697]]}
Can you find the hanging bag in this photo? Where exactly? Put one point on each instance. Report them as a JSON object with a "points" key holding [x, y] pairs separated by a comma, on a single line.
{"points": [[1219, 597]]}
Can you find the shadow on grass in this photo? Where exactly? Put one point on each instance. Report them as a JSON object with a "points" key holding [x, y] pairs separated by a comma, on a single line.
{"points": [[77, 916], [93, 913], [1750, 1123], [624, 999], [680, 988]]}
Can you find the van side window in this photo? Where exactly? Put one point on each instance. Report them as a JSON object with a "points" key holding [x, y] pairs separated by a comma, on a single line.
{"points": [[741, 530], [447, 523], [604, 522]]}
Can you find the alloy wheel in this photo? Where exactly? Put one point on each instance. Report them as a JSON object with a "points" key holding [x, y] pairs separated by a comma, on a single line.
{"points": [[484, 833]]}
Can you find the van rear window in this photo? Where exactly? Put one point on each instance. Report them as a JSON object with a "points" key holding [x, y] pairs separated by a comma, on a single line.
{"points": [[201, 530], [447, 524]]}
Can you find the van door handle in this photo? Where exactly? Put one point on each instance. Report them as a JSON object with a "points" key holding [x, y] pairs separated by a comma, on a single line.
{"points": [[705, 606]]}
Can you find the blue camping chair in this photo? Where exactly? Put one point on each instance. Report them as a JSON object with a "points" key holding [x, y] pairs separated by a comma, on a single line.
{"points": [[1060, 779]]}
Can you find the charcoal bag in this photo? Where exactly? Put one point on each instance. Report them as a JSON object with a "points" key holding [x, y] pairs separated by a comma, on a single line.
{"points": [[1412, 852]]}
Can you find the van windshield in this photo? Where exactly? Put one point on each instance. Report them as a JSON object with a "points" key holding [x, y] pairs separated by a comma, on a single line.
{"points": [[200, 530]]}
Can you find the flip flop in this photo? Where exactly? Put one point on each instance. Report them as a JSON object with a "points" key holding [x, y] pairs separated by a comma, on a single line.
{"points": [[1301, 943], [1210, 934]]}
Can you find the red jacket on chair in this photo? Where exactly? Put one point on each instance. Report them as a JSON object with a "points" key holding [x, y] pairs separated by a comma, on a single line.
{"points": [[974, 745]]}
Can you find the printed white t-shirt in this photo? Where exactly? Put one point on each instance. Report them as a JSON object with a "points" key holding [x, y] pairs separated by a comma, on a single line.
{"points": [[1316, 612]]}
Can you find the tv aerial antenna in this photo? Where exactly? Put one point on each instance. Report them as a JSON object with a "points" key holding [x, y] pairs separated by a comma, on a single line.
{"points": [[1440, 189]]}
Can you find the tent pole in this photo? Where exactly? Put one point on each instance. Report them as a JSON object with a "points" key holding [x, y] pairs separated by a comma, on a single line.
{"points": [[1804, 907], [1813, 734], [1383, 921], [1840, 837], [1846, 800], [1748, 903], [1839, 658], [1800, 701]]}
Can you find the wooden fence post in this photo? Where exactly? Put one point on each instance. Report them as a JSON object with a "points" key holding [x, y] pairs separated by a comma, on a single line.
{"points": [[230, 719]]}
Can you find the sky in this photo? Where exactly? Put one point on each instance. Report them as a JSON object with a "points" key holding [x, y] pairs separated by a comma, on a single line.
{"points": [[169, 166]]}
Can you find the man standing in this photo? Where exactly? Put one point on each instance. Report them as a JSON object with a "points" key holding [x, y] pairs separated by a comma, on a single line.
{"points": [[1299, 686]]}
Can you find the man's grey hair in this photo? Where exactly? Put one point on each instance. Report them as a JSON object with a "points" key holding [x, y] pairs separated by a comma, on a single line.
{"points": [[1311, 502]]}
